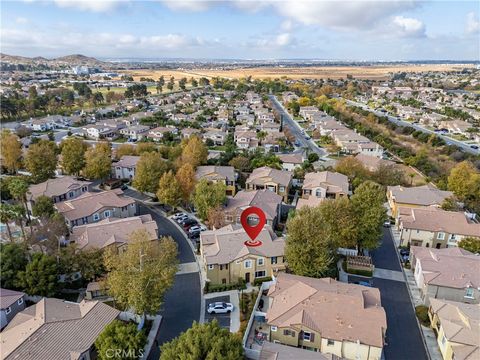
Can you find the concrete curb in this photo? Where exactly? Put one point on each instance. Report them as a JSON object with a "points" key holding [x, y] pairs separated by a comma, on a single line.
{"points": [[152, 335]]}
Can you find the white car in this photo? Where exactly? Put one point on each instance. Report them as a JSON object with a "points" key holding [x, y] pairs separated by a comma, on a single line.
{"points": [[219, 308], [196, 228], [177, 216]]}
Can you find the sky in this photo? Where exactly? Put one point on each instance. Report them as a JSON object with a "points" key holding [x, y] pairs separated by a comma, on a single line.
{"points": [[243, 29]]}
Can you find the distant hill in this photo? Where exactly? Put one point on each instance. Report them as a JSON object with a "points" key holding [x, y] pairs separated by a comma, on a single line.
{"points": [[71, 60]]}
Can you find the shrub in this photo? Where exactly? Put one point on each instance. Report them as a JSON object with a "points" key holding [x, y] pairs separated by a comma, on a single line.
{"points": [[259, 281], [422, 314]]}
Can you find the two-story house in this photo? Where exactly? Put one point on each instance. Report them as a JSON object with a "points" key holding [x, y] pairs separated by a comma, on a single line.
{"points": [[433, 227], [58, 189], [246, 140], [327, 316], [135, 132], [415, 197], [214, 174], [93, 207], [125, 167], [268, 201], [318, 186], [11, 302], [450, 274], [227, 258], [278, 181]]}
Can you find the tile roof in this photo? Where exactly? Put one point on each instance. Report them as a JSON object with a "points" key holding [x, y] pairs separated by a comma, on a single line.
{"points": [[421, 195], [8, 297], [112, 231], [264, 174], [127, 161], [337, 310], [225, 245], [372, 163], [212, 172], [89, 203], [437, 220], [55, 329], [267, 200], [451, 267], [461, 325], [55, 187], [333, 182], [272, 351], [296, 158]]}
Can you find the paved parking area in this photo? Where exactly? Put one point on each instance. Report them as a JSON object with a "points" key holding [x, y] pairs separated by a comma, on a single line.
{"points": [[223, 319]]}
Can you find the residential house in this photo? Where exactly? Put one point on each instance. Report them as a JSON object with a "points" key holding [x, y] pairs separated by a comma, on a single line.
{"points": [[93, 207], [457, 327], [318, 186], [158, 133], [278, 181], [415, 197], [112, 232], [186, 133], [11, 303], [327, 316], [292, 161], [216, 135], [227, 258], [101, 131], [306, 111], [58, 189], [433, 227], [246, 140], [373, 163], [277, 351], [214, 174], [288, 96], [135, 132], [457, 127], [449, 274], [125, 167], [56, 329], [268, 201]]}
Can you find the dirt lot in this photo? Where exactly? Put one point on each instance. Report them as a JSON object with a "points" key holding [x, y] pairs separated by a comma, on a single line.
{"points": [[321, 72]]}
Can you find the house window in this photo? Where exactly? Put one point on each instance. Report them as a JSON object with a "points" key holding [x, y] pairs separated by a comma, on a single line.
{"points": [[70, 194], [307, 336], [211, 267], [248, 264], [8, 310], [273, 328], [226, 266], [441, 236], [96, 217], [469, 293], [107, 213], [282, 189], [318, 193], [453, 237], [260, 261], [330, 342], [260, 274], [273, 260], [20, 301]]}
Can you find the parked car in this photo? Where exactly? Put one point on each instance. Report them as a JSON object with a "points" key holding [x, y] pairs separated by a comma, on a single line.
{"points": [[189, 223], [363, 283], [124, 187], [197, 228], [178, 215], [219, 308], [387, 224], [182, 218], [194, 236]]}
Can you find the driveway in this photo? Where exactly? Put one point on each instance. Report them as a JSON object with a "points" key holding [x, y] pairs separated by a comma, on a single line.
{"points": [[223, 319]]}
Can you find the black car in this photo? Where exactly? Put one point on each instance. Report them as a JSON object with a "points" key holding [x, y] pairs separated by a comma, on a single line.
{"points": [[474, 147], [189, 223]]}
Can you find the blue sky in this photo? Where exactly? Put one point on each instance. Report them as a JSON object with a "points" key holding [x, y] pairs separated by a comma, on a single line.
{"points": [[245, 29]]}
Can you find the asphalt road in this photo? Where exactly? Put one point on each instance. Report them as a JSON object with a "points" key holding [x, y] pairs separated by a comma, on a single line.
{"points": [[400, 122], [296, 129], [403, 335]]}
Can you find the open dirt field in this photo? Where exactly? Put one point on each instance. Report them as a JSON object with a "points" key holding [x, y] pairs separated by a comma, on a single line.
{"points": [[376, 72]]}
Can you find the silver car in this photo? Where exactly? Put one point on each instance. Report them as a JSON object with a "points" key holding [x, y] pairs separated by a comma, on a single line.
{"points": [[219, 308]]}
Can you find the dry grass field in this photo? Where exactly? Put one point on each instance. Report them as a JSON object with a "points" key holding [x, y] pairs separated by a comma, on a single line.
{"points": [[377, 72]]}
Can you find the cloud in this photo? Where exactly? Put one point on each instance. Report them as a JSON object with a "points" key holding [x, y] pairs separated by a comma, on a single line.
{"points": [[473, 24], [90, 5], [21, 20], [188, 5], [283, 39], [408, 27], [287, 25]]}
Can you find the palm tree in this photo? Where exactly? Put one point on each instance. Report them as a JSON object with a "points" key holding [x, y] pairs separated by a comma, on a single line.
{"points": [[19, 188], [6, 215]]}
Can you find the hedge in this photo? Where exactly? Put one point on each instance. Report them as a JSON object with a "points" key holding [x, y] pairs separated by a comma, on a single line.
{"points": [[224, 287], [259, 281], [422, 314]]}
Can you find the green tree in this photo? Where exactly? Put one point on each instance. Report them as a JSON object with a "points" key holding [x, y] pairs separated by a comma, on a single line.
{"points": [[312, 157], [98, 162], [471, 244], [368, 200], [206, 341], [149, 170], [171, 83], [40, 276], [19, 188], [353, 169], [241, 163], [169, 191], [139, 277], [43, 207], [73, 155], [464, 181], [194, 82], [389, 175], [6, 216], [41, 160], [125, 149], [13, 260], [89, 262], [122, 340], [451, 204], [208, 196], [182, 83], [11, 151]]}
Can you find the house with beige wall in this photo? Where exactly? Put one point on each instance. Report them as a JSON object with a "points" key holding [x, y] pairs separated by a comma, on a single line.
{"points": [[457, 327], [318, 186], [278, 181], [433, 227], [415, 197], [327, 316], [227, 258], [450, 274], [214, 174]]}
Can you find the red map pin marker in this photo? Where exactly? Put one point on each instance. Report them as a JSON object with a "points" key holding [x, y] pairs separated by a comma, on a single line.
{"points": [[253, 231]]}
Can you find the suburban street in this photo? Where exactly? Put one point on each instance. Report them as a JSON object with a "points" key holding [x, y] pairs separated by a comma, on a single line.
{"points": [[403, 335], [296, 129], [400, 122]]}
